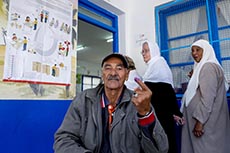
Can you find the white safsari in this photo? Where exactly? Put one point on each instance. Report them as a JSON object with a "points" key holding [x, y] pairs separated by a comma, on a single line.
{"points": [[208, 56]]}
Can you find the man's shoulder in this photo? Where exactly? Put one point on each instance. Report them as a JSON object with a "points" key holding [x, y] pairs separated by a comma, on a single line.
{"points": [[91, 92]]}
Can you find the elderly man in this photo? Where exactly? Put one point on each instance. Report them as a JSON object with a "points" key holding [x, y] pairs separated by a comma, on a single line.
{"points": [[111, 118]]}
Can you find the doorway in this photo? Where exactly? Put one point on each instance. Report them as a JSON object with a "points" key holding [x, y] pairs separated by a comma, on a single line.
{"points": [[93, 45]]}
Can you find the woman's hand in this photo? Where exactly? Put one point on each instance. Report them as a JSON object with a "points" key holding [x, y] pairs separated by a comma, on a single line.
{"points": [[179, 120], [198, 130]]}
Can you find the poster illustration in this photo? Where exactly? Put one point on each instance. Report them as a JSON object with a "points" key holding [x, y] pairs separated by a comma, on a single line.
{"points": [[37, 43], [38, 47]]}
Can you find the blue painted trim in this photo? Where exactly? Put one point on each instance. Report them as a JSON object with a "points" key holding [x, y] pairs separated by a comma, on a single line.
{"points": [[181, 64], [96, 9], [169, 4], [164, 32], [96, 22], [213, 23], [224, 27], [157, 25], [188, 35], [32, 100], [208, 20], [225, 58], [178, 7], [115, 36]]}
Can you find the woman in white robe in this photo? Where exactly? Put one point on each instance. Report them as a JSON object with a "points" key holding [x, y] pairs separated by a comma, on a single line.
{"points": [[204, 107], [158, 77]]}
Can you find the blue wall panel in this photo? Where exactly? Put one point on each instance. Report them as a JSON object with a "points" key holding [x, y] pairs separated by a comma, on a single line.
{"points": [[28, 126]]}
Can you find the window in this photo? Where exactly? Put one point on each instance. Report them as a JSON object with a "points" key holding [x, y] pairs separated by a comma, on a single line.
{"points": [[182, 23], [90, 81]]}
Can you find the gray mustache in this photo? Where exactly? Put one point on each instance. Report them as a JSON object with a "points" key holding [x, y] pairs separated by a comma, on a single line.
{"points": [[113, 78]]}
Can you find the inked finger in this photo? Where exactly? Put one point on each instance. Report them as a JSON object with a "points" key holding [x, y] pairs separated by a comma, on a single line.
{"points": [[141, 84]]}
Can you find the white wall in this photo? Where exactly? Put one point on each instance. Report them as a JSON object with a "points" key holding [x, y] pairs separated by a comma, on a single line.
{"points": [[136, 22]]}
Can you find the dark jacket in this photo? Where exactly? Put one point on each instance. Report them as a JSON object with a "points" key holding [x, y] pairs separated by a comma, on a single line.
{"points": [[81, 130]]}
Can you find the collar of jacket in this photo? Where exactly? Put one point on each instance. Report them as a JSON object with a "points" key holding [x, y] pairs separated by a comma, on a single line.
{"points": [[95, 96]]}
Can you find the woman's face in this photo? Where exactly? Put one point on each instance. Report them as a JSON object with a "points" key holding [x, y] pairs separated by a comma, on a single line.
{"points": [[197, 53], [146, 52]]}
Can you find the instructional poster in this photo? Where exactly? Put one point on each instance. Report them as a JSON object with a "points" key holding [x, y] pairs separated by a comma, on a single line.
{"points": [[37, 58], [38, 48]]}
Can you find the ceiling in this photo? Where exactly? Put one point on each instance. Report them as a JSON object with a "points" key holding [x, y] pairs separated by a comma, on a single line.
{"points": [[94, 39]]}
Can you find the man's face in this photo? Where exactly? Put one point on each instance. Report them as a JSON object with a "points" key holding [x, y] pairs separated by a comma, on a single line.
{"points": [[145, 52], [114, 74], [197, 53]]}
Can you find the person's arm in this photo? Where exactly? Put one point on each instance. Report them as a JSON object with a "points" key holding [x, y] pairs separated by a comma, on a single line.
{"points": [[67, 136], [177, 115], [154, 138], [147, 123]]}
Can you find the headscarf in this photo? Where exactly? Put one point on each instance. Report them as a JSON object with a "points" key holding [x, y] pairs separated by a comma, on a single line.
{"points": [[208, 57], [158, 69]]}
